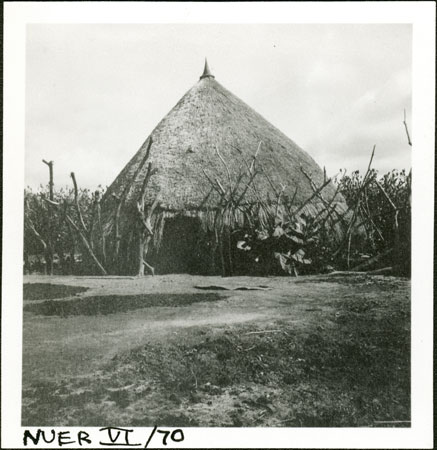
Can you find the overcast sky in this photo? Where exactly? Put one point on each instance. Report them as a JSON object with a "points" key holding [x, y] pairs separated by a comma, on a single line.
{"points": [[95, 92]]}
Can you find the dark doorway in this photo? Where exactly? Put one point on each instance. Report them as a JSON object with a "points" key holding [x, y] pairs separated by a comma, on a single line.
{"points": [[181, 249]]}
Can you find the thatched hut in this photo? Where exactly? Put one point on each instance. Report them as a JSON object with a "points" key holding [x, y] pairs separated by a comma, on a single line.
{"points": [[201, 151]]}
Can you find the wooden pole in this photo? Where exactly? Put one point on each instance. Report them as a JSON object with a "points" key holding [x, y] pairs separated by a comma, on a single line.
{"points": [[49, 254], [72, 249], [50, 165], [143, 248], [406, 129], [349, 251], [122, 198], [222, 255], [396, 243], [76, 202], [99, 222], [140, 253], [231, 266], [213, 253]]}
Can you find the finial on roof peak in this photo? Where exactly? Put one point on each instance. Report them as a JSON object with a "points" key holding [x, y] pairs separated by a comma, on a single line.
{"points": [[206, 72]]}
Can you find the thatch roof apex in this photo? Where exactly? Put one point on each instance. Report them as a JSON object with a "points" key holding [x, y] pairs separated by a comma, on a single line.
{"points": [[209, 117], [206, 71]]}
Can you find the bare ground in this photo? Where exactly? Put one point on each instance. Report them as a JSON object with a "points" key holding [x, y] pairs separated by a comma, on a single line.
{"points": [[311, 351]]}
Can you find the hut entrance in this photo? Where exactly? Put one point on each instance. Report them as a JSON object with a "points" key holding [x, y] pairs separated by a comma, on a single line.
{"points": [[180, 250]]}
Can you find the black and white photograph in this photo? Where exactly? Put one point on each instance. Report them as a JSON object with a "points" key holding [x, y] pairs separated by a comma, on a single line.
{"points": [[215, 230]]}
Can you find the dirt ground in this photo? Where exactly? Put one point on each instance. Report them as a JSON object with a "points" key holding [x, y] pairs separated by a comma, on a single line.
{"points": [[184, 350]]}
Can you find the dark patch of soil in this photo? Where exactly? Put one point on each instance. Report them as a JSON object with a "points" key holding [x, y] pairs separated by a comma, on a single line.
{"points": [[46, 291], [359, 282], [339, 357], [355, 375], [111, 304]]}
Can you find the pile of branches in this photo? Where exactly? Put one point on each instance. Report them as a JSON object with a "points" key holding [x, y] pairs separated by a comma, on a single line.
{"points": [[382, 205], [279, 235], [364, 225], [274, 232], [66, 227]]}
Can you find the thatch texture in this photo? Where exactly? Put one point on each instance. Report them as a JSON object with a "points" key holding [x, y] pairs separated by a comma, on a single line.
{"points": [[209, 150], [209, 117]]}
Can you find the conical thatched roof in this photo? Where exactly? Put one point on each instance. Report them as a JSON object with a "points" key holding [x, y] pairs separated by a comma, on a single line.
{"points": [[209, 117]]}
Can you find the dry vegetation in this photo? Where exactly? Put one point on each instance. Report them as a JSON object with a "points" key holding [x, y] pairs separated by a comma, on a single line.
{"points": [[364, 224], [350, 221]]}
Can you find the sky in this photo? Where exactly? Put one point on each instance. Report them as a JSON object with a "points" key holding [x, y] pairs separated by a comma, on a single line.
{"points": [[95, 92]]}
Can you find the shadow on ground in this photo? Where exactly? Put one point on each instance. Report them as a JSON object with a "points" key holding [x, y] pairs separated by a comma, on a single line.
{"points": [[44, 291], [331, 354]]}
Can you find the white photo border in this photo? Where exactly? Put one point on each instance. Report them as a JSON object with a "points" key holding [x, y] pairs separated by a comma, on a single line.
{"points": [[420, 14]]}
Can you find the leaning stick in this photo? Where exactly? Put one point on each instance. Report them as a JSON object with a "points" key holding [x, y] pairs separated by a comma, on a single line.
{"points": [[71, 223], [255, 155], [226, 167], [264, 331], [123, 196], [30, 224], [76, 202], [386, 195], [99, 222], [406, 128], [86, 244], [50, 214]]}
